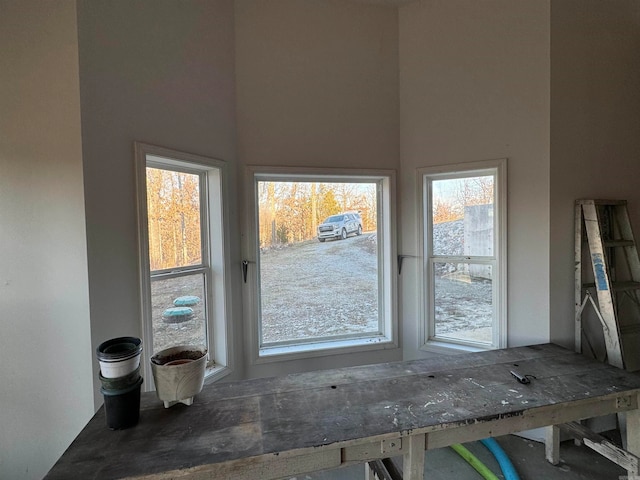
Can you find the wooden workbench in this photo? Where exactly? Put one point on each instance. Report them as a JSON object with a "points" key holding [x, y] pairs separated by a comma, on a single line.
{"points": [[284, 426]]}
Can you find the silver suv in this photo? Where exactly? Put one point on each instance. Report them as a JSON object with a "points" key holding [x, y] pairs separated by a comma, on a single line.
{"points": [[339, 226]]}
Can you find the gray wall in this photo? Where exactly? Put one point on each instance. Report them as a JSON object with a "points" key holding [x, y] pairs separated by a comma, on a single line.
{"points": [[45, 345], [160, 72], [474, 85], [595, 128], [317, 86]]}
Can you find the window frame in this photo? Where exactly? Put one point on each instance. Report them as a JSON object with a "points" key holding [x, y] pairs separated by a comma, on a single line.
{"points": [[387, 286], [214, 246], [425, 175]]}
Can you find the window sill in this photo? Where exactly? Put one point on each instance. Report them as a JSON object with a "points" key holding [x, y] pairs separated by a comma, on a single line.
{"points": [[215, 373], [318, 349], [439, 346]]}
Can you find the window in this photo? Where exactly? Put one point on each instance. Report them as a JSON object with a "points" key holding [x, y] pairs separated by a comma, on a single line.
{"points": [[323, 246], [465, 255], [183, 268]]}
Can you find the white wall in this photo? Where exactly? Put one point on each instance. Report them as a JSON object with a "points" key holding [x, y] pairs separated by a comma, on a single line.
{"points": [[474, 85], [595, 128], [317, 86], [45, 351], [160, 72]]}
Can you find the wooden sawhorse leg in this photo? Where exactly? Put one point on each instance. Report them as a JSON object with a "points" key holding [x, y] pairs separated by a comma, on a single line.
{"points": [[413, 461], [552, 444], [633, 439]]}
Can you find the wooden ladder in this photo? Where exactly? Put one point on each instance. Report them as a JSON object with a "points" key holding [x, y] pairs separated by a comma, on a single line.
{"points": [[604, 239]]}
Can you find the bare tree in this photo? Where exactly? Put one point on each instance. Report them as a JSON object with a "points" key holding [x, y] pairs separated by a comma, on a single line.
{"points": [[473, 191], [344, 193], [291, 211]]}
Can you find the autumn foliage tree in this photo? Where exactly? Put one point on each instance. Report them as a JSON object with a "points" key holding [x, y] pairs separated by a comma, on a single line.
{"points": [[173, 206], [290, 212]]}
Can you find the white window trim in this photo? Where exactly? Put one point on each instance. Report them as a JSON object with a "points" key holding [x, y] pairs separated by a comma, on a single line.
{"points": [[219, 292], [386, 261], [424, 278]]}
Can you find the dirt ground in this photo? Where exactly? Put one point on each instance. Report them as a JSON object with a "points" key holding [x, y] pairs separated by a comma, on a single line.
{"points": [[463, 308], [296, 303], [315, 289], [190, 332]]}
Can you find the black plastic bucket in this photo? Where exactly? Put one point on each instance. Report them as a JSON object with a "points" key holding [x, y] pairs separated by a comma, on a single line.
{"points": [[117, 349], [122, 407], [120, 383]]}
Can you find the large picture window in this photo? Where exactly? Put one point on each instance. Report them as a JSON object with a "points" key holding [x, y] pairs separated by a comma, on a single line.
{"points": [[323, 246], [183, 268], [465, 255]]}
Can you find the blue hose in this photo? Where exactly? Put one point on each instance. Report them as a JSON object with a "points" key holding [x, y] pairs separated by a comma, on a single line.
{"points": [[506, 466]]}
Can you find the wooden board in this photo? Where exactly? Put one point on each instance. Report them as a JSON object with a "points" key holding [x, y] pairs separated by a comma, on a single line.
{"points": [[318, 420]]}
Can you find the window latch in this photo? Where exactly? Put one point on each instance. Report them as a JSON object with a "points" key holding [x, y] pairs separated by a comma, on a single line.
{"points": [[245, 268], [401, 259]]}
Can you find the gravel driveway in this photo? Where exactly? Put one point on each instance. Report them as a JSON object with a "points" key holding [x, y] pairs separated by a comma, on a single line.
{"points": [[297, 303], [314, 289], [296, 300]]}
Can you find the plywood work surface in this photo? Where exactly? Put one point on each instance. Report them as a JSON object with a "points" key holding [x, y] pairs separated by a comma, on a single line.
{"points": [[323, 419]]}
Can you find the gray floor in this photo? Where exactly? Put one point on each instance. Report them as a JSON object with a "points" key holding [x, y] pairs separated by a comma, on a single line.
{"points": [[576, 463]]}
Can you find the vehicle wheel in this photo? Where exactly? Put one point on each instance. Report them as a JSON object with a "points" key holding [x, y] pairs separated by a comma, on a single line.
{"points": [[321, 240], [344, 234], [359, 230]]}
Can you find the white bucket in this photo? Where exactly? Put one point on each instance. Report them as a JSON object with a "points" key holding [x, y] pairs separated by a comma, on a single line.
{"points": [[119, 356], [178, 373], [119, 368]]}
